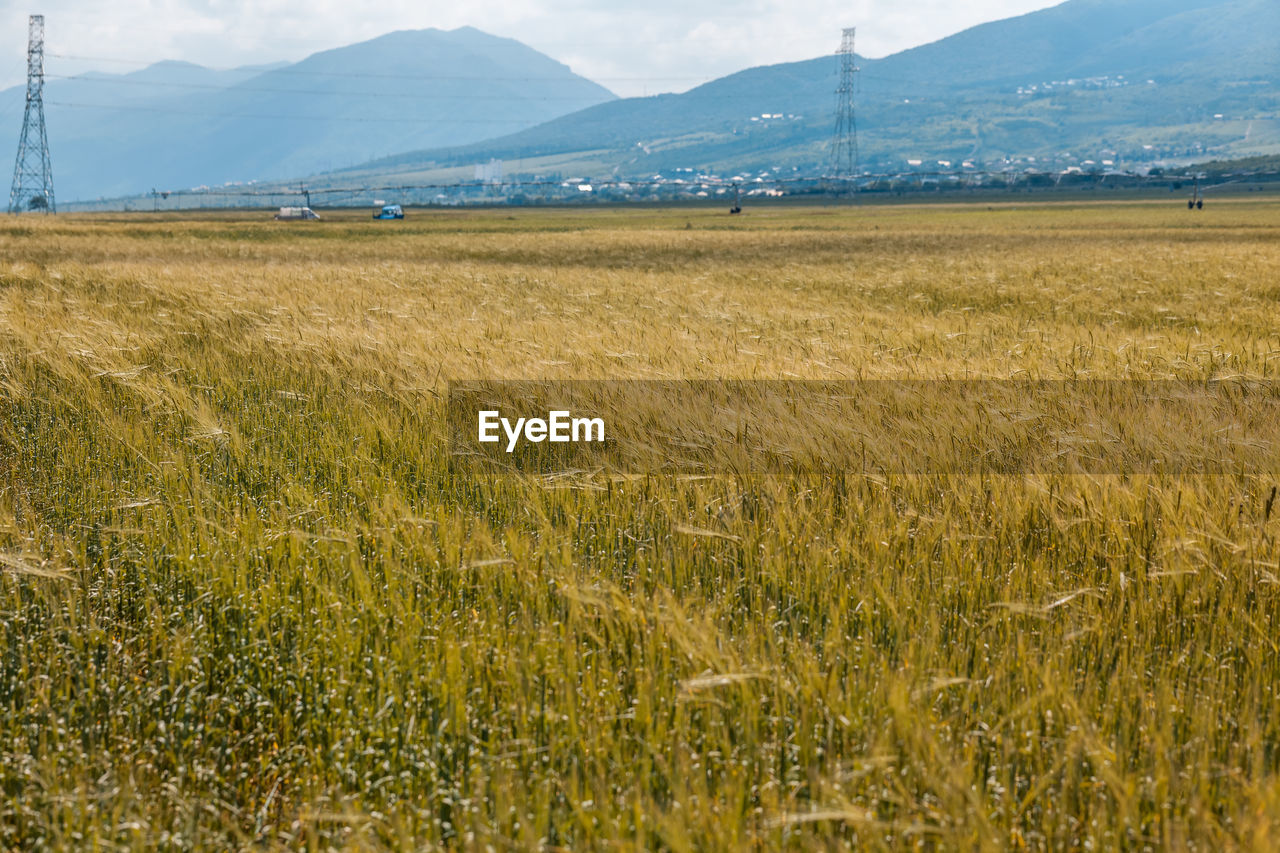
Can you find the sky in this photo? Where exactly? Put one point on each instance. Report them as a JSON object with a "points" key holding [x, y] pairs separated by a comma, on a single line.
{"points": [[633, 47]]}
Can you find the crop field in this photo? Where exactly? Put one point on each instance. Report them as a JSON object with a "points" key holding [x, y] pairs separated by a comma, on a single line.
{"points": [[248, 598]]}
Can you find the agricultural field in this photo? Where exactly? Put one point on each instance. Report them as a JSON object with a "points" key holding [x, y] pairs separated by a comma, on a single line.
{"points": [[248, 598]]}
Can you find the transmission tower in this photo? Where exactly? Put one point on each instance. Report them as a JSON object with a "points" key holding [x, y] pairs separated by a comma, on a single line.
{"points": [[844, 142], [32, 173]]}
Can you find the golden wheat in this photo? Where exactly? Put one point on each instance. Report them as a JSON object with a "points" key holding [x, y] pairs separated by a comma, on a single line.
{"points": [[247, 597]]}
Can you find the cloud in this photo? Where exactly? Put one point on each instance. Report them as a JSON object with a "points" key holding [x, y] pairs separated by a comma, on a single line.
{"points": [[634, 47]]}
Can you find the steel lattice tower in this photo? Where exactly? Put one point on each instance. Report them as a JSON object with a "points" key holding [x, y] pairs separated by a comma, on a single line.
{"points": [[844, 142], [32, 173]]}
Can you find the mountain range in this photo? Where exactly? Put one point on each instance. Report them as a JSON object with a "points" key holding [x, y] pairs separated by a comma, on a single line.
{"points": [[175, 125], [1086, 82], [1093, 84]]}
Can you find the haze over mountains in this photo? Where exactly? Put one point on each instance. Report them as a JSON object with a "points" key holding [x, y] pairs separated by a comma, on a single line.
{"points": [[1089, 83], [175, 125], [1099, 81]]}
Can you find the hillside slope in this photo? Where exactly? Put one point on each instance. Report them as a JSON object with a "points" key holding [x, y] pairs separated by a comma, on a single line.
{"points": [[1133, 81], [175, 125]]}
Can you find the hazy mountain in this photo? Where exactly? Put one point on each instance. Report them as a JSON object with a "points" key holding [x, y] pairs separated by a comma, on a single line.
{"points": [[1172, 39], [1125, 80], [175, 125]]}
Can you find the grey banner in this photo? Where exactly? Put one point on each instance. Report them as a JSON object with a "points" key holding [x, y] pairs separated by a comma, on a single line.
{"points": [[874, 426]]}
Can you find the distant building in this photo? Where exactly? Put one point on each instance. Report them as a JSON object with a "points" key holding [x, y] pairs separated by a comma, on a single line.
{"points": [[489, 173]]}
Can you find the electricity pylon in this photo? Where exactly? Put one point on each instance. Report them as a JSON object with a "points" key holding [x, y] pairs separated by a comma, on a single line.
{"points": [[32, 173], [844, 142]]}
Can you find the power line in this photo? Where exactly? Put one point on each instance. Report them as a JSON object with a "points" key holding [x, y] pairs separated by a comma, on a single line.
{"points": [[254, 73], [389, 76], [436, 120], [236, 87], [239, 87]]}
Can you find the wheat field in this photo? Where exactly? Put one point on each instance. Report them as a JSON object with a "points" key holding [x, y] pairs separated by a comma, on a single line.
{"points": [[248, 599]]}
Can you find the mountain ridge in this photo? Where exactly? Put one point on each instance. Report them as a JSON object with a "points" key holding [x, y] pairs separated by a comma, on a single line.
{"points": [[175, 125], [1084, 84], [1104, 77]]}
